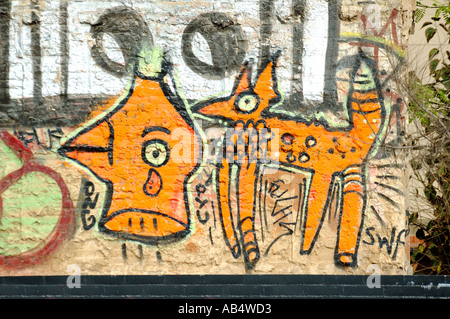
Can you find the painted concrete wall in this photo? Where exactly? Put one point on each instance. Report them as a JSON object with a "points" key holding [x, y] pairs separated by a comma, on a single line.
{"points": [[203, 137]]}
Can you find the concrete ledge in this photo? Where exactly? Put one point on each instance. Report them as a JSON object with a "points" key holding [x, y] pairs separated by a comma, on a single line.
{"points": [[225, 286]]}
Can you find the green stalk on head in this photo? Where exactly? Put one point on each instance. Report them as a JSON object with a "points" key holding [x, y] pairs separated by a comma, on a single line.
{"points": [[149, 60]]}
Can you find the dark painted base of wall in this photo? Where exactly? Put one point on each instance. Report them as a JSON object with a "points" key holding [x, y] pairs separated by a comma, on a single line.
{"points": [[225, 286]]}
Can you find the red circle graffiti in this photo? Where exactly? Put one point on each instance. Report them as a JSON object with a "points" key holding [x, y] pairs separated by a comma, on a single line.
{"points": [[63, 229]]}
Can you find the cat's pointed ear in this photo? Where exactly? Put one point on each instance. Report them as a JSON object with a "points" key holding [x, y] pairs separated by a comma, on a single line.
{"points": [[266, 86], [243, 80]]}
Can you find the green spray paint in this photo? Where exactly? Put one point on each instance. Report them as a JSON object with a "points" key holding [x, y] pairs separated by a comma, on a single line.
{"points": [[31, 210]]}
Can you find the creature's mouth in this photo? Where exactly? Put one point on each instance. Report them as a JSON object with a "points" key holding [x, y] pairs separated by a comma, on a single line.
{"points": [[145, 226]]}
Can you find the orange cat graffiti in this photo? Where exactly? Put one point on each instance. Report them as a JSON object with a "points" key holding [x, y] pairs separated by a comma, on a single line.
{"points": [[331, 155], [131, 148]]}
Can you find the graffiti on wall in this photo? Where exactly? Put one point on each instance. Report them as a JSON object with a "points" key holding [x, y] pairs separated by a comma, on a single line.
{"points": [[277, 167], [132, 149], [328, 155], [34, 220]]}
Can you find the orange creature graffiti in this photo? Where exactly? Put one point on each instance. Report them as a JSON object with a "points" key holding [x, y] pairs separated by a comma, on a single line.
{"points": [[132, 149], [331, 155]]}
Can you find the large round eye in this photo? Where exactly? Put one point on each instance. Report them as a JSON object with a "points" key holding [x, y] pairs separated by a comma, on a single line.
{"points": [[156, 152], [246, 102]]}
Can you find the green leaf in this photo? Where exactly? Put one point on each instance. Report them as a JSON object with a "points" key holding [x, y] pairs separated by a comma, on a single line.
{"points": [[426, 23], [418, 15], [433, 65], [447, 84], [416, 165], [433, 53], [413, 217], [443, 171], [429, 33], [443, 27]]}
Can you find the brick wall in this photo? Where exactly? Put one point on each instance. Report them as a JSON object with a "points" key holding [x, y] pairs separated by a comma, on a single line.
{"points": [[206, 137]]}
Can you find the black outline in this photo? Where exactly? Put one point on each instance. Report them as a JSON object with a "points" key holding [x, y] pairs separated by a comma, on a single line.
{"points": [[309, 139], [301, 155], [290, 136], [150, 129]]}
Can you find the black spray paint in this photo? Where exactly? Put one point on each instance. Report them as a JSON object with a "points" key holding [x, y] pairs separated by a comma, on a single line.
{"points": [[5, 12], [226, 42]]}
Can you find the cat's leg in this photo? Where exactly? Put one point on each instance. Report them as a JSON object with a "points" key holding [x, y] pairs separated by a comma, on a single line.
{"points": [[248, 154], [318, 201], [353, 206], [223, 189], [237, 177]]}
